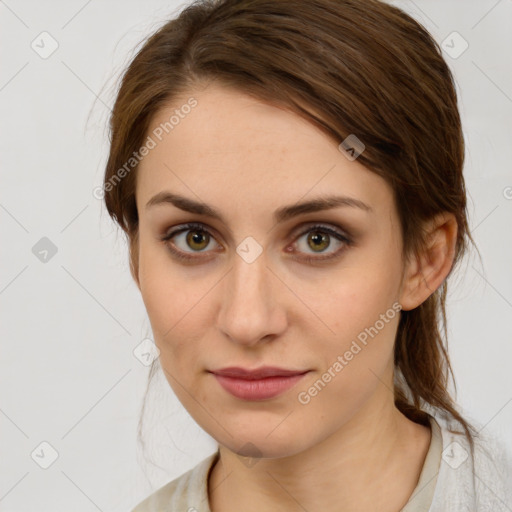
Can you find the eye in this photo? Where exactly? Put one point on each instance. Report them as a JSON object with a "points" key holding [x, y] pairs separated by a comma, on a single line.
{"points": [[194, 236], [319, 238], [198, 238]]}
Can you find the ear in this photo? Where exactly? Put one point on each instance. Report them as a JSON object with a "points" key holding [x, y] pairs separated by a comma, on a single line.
{"points": [[134, 257], [424, 273]]}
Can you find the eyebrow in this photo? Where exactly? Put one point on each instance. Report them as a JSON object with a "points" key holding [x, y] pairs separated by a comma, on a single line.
{"points": [[280, 215]]}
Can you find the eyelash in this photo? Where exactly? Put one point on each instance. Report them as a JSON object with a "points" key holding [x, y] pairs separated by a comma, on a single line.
{"points": [[308, 259]]}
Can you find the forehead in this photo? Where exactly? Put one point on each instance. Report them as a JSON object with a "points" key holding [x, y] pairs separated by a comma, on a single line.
{"points": [[232, 147]]}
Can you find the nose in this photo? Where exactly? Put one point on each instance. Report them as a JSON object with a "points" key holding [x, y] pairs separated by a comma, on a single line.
{"points": [[251, 312]]}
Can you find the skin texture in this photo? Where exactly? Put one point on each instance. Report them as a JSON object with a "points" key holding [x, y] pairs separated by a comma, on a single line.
{"points": [[349, 448]]}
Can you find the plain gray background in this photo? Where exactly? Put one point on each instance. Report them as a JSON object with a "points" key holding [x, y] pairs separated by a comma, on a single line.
{"points": [[70, 324]]}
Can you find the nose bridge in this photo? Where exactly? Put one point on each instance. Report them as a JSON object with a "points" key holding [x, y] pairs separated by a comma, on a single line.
{"points": [[248, 311]]}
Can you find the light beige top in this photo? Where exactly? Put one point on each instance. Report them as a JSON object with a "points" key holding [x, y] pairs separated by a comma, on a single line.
{"points": [[189, 492], [421, 497]]}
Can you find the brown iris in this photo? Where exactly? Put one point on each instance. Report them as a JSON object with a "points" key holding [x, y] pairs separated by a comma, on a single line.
{"points": [[197, 237], [319, 239]]}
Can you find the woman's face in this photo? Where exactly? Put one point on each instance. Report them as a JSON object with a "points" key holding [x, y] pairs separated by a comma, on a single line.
{"points": [[267, 282]]}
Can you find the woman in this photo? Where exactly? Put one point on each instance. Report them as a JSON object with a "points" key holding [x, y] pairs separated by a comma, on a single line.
{"points": [[289, 176]]}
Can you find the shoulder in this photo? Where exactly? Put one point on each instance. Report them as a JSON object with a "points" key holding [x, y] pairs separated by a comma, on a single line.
{"points": [[187, 493], [474, 481]]}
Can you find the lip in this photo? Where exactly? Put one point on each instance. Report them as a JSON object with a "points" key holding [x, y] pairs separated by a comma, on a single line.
{"points": [[258, 384]]}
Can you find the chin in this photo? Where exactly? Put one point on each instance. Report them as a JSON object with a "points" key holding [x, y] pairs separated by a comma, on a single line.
{"points": [[261, 445]]}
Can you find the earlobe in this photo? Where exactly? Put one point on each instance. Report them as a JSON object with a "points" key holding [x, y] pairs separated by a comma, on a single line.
{"points": [[426, 272]]}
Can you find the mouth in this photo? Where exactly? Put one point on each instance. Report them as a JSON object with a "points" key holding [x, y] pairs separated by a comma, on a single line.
{"points": [[258, 384]]}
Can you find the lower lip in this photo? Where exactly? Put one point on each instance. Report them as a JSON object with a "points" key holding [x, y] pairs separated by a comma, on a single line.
{"points": [[260, 389]]}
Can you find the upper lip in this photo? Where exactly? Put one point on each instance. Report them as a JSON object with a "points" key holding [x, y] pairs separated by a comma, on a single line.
{"points": [[258, 373]]}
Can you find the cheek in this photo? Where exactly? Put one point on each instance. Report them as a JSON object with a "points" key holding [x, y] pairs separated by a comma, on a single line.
{"points": [[353, 362], [358, 304], [361, 346], [352, 297], [171, 303]]}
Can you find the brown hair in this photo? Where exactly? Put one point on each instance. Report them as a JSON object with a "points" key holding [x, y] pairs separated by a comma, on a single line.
{"points": [[358, 67]]}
